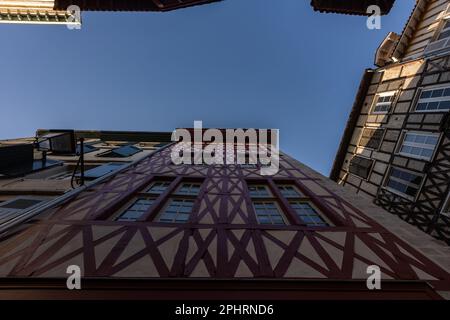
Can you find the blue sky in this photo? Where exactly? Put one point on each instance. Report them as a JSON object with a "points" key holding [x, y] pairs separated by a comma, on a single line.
{"points": [[238, 63]]}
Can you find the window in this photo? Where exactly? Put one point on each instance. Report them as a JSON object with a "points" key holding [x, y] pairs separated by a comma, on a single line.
{"points": [[445, 32], [360, 166], [267, 212], [177, 211], [371, 138], [404, 182], [419, 145], [442, 42], [136, 210], [121, 152], [434, 100], [158, 187], [383, 102], [308, 214], [21, 203], [21, 169], [288, 191], [259, 191], [101, 170], [191, 189], [11, 208], [86, 149]]}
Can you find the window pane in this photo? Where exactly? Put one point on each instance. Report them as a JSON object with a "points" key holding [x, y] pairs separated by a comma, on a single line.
{"points": [[178, 211], [308, 214], [267, 212], [289, 191], [189, 189], [434, 100], [158, 187], [136, 210], [259, 191], [419, 145], [404, 182]]}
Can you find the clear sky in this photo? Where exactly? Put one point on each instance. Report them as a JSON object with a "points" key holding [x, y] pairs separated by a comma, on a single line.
{"points": [[238, 63]]}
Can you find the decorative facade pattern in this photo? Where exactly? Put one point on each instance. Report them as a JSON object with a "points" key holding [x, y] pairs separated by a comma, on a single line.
{"points": [[221, 240], [406, 101]]}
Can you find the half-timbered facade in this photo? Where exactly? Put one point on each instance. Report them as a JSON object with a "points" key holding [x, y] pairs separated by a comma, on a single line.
{"points": [[396, 146], [159, 230]]}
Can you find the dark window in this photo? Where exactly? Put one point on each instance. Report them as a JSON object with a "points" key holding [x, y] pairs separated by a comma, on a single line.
{"points": [[20, 204], [267, 212], [121, 152], [259, 191], [86, 148], [158, 187], [191, 189], [177, 211], [21, 169], [308, 214], [136, 210], [360, 166], [288, 191], [403, 181], [434, 100], [102, 170], [371, 138]]}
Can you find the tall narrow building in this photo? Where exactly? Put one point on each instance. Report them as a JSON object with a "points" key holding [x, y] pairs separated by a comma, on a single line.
{"points": [[396, 145], [158, 230]]}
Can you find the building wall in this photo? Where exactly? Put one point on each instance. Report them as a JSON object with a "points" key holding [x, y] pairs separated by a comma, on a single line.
{"points": [[412, 74], [22, 194], [223, 238]]}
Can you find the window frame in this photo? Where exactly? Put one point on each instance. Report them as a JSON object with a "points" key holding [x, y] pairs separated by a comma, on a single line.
{"points": [[399, 193], [375, 129], [148, 188], [104, 154], [277, 205], [428, 88], [7, 213], [401, 141], [130, 204], [314, 208], [180, 186], [270, 194], [375, 102], [299, 193], [167, 204], [370, 169]]}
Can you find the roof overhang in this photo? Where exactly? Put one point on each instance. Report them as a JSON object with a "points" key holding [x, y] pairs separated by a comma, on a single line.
{"points": [[355, 7], [130, 5]]}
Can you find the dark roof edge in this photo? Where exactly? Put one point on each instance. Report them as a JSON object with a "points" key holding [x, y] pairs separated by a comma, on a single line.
{"points": [[351, 123], [340, 8], [116, 135]]}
